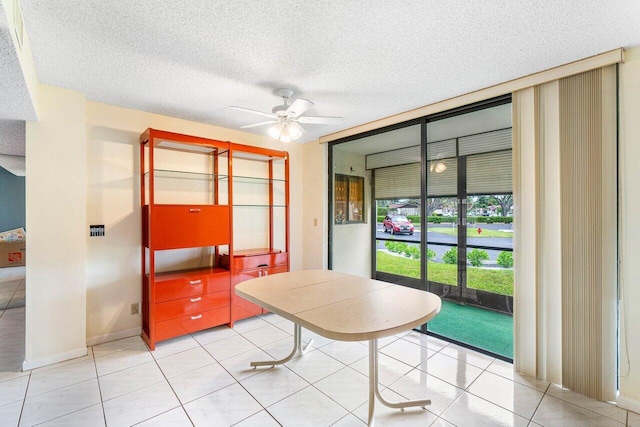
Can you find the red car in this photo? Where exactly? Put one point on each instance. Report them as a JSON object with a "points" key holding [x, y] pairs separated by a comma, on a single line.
{"points": [[397, 224]]}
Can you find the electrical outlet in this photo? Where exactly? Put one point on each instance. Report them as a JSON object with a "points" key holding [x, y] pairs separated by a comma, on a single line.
{"points": [[135, 308]]}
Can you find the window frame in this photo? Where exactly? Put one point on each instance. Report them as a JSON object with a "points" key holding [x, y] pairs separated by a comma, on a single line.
{"points": [[345, 199]]}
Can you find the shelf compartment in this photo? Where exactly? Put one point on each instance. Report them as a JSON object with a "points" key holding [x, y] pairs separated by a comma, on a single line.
{"points": [[255, 180], [252, 259], [177, 174], [258, 206]]}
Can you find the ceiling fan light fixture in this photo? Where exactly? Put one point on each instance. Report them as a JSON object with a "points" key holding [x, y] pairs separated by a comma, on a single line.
{"points": [[438, 167], [295, 130], [285, 117], [276, 130], [285, 135], [286, 131]]}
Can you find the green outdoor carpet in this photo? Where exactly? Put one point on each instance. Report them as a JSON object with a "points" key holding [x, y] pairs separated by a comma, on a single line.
{"points": [[475, 326]]}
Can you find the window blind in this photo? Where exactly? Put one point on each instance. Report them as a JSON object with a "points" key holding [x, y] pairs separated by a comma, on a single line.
{"points": [[402, 156], [485, 142], [441, 183], [398, 182], [441, 149], [490, 173]]}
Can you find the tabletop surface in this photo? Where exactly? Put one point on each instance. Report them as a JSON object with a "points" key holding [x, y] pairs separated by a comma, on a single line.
{"points": [[341, 306]]}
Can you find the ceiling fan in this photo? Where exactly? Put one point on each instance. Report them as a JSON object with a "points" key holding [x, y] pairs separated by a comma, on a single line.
{"points": [[286, 118]]}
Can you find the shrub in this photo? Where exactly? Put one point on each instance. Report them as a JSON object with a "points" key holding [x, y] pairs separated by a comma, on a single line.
{"points": [[397, 247], [414, 218], [505, 259], [476, 257], [441, 219], [431, 254], [391, 246], [412, 252], [382, 211], [490, 219], [451, 256], [380, 218]]}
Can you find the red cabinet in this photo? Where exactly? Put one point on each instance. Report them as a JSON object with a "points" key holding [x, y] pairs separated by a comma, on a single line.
{"points": [[185, 221], [185, 226], [250, 264], [204, 202]]}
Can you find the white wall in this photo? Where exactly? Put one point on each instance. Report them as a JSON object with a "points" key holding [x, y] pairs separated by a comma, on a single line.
{"points": [[315, 225], [113, 199], [629, 226], [352, 242], [56, 228], [83, 168]]}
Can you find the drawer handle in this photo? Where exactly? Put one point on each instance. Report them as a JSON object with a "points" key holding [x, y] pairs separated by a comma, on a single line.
{"points": [[194, 210], [196, 299], [263, 265], [199, 316], [195, 282]]}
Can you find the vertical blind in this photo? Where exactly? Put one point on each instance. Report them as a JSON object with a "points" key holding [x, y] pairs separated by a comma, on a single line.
{"points": [[587, 205], [566, 269]]}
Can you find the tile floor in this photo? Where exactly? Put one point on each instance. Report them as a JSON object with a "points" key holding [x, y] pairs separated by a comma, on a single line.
{"points": [[11, 288], [204, 379]]}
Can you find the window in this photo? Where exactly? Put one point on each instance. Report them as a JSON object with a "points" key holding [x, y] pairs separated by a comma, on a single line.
{"points": [[349, 199]]}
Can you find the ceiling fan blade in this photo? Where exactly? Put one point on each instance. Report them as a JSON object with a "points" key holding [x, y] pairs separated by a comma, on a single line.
{"points": [[248, 110], [258, 124], [320, 120], [298, 107]]}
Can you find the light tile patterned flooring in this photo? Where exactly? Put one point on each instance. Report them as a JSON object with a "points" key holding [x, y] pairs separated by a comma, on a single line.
{"points": [[204, 379]]}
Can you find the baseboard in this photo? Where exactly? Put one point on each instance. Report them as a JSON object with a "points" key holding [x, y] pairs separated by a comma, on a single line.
{"points": [[114, 336], [27, 365], [629, 404]]}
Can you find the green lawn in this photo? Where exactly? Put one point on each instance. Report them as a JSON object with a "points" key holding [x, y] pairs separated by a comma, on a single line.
{"points": [[471, 232], [499, 281]]}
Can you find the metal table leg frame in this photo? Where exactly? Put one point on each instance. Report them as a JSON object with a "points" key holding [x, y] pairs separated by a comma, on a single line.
{"points": [[297, 348], [374, 391]]}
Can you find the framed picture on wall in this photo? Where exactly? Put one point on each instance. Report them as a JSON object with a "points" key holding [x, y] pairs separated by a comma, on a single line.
{"points": [[349, 199]]}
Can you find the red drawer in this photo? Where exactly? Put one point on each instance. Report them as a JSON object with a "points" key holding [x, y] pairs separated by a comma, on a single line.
{"points": [[176, 285], [191, 323], [186, 226], [268, 260], [192, 305], [241, 276]]}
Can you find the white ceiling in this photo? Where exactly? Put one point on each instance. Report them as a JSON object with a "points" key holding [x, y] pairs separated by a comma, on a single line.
{"points": [[362, 60]]}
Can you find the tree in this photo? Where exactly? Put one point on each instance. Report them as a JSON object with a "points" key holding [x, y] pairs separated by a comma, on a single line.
{"points": [[505, 201], [433, 203]]}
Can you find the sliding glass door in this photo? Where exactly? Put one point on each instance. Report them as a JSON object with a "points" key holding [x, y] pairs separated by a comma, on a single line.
{"points": [[435, 215], [469, 232]]}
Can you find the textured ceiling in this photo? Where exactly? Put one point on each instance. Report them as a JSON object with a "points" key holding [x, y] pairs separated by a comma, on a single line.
{"points": [[15, 100], [362, 60]]}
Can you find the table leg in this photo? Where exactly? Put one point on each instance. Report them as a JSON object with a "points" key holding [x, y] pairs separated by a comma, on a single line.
{"points": [[374, 390], [297, 348]]}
